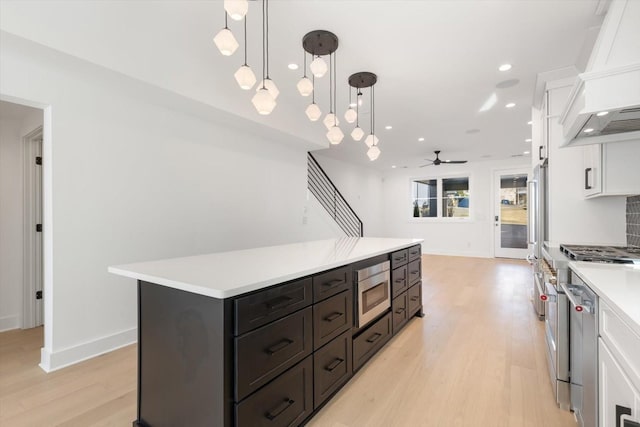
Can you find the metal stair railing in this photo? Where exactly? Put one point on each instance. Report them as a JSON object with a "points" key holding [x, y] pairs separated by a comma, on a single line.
{"points": [[330, 198]]}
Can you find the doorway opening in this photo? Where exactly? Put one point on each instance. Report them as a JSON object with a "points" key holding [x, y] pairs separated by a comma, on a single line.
{"points": [[510, 215], [21, 215]]}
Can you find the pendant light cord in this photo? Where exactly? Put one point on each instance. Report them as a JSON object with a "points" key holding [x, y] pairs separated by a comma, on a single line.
{"points": [[357, 109], [263, 45], [245, 41], [331, 83], [226, 23], [313, 85], [335, 93], [267, 31], [304, 74]]}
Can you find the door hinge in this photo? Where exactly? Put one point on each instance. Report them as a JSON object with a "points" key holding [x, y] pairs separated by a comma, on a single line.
{"points": [[38, 160], [38, 294], [38, 228]]}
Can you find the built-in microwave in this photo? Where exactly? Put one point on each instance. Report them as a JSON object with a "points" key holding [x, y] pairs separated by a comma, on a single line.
{"points": [[373, 292]]}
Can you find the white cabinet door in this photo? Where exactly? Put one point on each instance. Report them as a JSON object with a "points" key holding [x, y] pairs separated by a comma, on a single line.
{"points": [[617, 395], [592, 169]]}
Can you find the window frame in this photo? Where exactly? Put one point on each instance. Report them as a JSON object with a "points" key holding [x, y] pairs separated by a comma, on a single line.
{"points": [[439, 192]]}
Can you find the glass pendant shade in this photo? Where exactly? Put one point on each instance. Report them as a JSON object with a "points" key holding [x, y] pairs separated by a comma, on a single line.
{"points": [[237, 9], [350, 115], [373, 153], [335, 135], [263, 101], [330, 121], [245, 77], [226, 42], [357, 133], [305, 86], [371, 140], [318, 67], [313, 112], [271, 87]]}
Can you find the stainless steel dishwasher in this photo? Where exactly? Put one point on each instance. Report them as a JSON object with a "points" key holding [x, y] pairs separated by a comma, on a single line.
{"points": [[582, 304]]}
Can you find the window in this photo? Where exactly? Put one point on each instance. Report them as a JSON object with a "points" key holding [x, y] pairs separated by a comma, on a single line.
{"points": [[452, 192]]}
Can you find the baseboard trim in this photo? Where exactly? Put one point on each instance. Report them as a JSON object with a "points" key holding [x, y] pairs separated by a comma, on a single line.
{"points": [[52, 361], [8, 323]]}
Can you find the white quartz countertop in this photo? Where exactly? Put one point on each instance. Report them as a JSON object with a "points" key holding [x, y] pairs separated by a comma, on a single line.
{"points": [[618, 285], [227, 274]]}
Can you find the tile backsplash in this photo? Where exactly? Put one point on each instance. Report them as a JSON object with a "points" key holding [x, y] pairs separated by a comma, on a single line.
{"points": [[633, 221]]}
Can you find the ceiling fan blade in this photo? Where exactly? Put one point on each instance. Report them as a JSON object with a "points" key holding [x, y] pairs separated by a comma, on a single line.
{"points": [[428, 164], [454, 161]]}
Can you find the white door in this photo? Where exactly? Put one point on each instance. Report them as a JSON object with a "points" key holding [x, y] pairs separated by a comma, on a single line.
{"points": [[510, 213]]}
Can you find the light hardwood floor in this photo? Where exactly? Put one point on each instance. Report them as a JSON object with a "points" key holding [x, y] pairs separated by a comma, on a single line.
{"points": [[476, 359]]}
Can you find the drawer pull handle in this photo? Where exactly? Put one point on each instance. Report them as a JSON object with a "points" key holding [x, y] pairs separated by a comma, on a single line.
{"points": [[416, 298], [400, 310], [333, 316], [415, 272], [373, 338], [279, 346], [399, 280], [333, 365], [272, 414], [333, 283], [281, 301]]}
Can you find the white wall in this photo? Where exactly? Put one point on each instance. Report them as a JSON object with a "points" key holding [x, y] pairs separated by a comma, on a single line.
{"points": [[472, 237], [362, 189], [12, 128], [135, 173]]}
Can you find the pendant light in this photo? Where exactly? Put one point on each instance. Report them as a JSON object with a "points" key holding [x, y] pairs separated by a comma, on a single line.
{"points": [[237, 9], [305, 86], [266, 81], [318, 67], [225, 41], [350, 115], [313, 112], [263, 100], [245, 76], [334, 135], [359, 81]]}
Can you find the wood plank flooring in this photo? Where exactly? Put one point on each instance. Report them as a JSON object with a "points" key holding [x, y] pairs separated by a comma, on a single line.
{"points": [[476, 359]]}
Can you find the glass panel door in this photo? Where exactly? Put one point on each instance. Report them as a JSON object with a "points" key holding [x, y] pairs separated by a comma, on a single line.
{"points": [[511, 218]]}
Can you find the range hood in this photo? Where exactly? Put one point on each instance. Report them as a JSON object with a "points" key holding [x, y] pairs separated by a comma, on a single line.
{"points": [[604, 106]]}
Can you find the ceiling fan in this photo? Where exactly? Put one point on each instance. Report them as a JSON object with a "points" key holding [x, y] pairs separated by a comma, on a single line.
{"points": [[437, 161]]}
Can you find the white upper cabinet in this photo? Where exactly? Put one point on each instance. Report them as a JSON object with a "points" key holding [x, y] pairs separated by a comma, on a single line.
{"points": [[611, 169]]}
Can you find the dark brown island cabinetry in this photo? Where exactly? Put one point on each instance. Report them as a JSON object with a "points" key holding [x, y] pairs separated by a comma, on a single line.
{"points": [[272, 357]]}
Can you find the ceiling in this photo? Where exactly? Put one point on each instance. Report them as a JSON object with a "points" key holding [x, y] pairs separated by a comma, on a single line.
{"points": [[436, 61]]}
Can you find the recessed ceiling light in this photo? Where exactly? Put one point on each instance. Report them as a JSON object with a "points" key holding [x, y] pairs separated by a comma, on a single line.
{"points": [[292, 66], [527, 152], [421, 139], [602, 113], [393, 166], [527, 140], [510, 105], [388, 127], [507, 83], [530, 122], [588, 130], [504, 67]]}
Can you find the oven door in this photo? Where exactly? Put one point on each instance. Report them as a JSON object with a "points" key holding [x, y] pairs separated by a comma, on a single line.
{"points": [[374, 297]]}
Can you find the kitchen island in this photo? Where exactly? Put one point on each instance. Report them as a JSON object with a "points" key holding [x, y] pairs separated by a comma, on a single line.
{"points": [[263, 336]]}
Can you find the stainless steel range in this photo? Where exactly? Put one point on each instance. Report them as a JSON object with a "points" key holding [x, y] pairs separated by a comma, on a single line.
{"points": [[605, 254]]}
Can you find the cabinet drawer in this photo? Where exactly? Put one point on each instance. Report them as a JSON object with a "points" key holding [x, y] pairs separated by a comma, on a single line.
{"points": [[286, 401], [271, 304], [414, 294], [265, 353], [415, 252], [332, 367], [399, 307], [415, 271], [371, 340], [399, 281], [621, 340], [332, 317], [331, 283], [399, 258]]}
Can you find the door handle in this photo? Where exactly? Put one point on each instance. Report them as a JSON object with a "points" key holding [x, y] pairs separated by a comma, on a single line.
{"points": [[586, 179], [540, 153]]}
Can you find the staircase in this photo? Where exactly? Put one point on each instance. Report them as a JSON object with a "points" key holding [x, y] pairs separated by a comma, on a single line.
{"points": [[331, 200]]}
